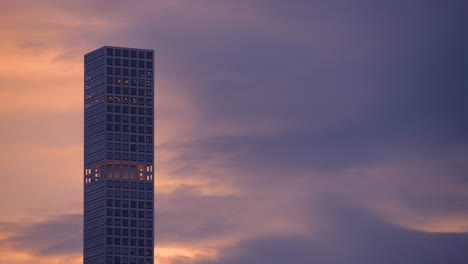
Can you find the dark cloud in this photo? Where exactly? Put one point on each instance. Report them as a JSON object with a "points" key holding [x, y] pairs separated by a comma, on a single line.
{"points": [[61, 235], [351, 236], [211, 216]]}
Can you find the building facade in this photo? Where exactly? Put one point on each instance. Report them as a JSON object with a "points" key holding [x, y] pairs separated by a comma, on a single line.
{"points": [[118, 156]]}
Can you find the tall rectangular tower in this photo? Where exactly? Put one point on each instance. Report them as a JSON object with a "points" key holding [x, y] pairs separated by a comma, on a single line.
{"points": [[118, 156]]}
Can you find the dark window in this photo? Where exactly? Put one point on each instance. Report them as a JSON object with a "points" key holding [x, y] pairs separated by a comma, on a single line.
{"points": [[110, 52], [149, 65], [125, 62], [118, 62], [110, 61], [149, 149], [141, 54], [149, 120], [133, 53], [133, 63], [149, 55], [118, 71], [117, 90], [118, 52], [125, 53], [110, 89], [110, 70]]}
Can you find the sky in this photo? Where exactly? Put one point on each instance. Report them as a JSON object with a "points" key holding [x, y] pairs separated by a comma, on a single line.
{"points": [[320, 131]]}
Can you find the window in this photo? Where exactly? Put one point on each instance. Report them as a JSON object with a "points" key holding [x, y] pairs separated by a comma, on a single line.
{"points": [[149, 149], [125, 53], [110, 52], [117, 52], [149, 55]]}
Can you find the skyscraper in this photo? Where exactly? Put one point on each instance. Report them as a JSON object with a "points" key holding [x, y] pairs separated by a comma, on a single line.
{"points": [[118, 156]]}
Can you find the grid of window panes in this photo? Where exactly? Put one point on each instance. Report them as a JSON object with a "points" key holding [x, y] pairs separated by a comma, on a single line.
{"points": [[129, 104], [118, 213]]}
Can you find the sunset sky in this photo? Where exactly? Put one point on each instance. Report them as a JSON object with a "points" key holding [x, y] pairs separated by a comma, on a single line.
{"points": [[302, 131]]}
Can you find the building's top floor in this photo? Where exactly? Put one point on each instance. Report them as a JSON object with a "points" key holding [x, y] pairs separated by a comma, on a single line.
{"points": [[113, 51]]}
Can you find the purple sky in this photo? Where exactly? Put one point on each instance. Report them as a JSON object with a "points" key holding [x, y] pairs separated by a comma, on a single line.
{"points": [[329, 132]]}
